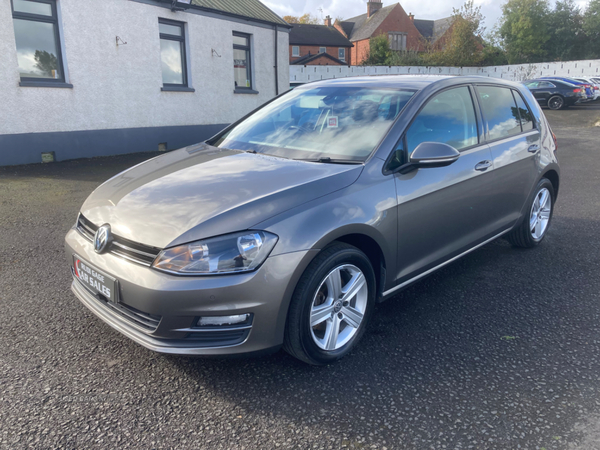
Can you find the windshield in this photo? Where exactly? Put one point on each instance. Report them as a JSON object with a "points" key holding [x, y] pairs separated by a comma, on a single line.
{"points": [[340, 124]]}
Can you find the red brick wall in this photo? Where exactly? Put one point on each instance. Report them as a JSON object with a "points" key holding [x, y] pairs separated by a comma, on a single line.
{"points": [[314, 49]]}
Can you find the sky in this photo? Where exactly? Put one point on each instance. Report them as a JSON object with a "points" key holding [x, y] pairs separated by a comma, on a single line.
{"points": [[422, 9]]}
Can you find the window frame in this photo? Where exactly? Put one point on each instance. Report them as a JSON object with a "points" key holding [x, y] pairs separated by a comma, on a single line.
{"points": [[294, 53], [322, 50], [183, 46], [484, 120], [46, 19], [340, 50], [248, 50]]}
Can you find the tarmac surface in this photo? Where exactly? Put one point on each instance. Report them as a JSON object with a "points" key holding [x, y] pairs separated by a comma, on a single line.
{"points": [[499, 350]]}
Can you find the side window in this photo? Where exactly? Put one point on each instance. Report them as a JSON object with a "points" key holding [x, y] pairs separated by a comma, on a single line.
{"points": [[449, 117], [499, 111], [524, 113]]}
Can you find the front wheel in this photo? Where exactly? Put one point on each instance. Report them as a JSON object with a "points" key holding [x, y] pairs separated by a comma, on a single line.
{"points": [[556, 102], [331, 305], [534, 227]]}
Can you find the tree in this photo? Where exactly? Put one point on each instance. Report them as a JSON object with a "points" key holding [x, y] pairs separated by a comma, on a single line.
{"points": [[565, 25], [524, 30], [307, 18], [591, 27], [45, 62]]}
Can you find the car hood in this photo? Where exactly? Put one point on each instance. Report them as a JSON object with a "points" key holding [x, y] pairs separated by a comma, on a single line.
{"points": [[203, 191]]}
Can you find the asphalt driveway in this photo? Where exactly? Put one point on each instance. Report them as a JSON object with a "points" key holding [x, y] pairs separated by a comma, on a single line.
{"points": [[500, 350]]}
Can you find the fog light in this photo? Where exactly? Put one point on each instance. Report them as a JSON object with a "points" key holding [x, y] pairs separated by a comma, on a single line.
{"points": [[222, 320]]}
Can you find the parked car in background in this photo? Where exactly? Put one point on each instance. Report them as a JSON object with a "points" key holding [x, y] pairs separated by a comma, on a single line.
{"points": [[288, 226], [595, 85], [589, 90], [556, 94]]}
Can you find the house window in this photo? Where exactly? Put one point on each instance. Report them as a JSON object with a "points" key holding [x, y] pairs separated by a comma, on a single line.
{"points": [[295, 51], [242, 61], [322, 49], [397, 41], [172, 53], [342, 54], [38, 40]]}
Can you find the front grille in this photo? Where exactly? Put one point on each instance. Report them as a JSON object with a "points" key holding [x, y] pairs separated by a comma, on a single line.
{"points": [[124, 248]]}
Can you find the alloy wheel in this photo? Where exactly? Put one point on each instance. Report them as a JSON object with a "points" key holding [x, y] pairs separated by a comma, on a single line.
{"points": [[540, 214], [338, 307]]}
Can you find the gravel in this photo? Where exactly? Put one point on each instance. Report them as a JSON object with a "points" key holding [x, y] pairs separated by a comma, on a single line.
{"points": [[500, 350]]}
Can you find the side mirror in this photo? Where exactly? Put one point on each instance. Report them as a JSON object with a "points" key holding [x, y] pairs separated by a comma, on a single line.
{"points": [[433, 154]]}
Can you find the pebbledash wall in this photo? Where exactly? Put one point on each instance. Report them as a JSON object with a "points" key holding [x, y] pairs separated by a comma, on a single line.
{"points": [[517, 72], [116, 105]]}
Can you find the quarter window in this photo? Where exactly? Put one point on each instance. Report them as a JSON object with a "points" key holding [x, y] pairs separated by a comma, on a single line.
{"points": [[38, 41], [342, 54], [242, 61], [449, 117], [295, 51], [172, 53], [524, 113], [499, 111]]}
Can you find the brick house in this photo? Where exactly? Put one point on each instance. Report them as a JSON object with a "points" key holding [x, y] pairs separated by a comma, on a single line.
{"points": [[319, 45]]}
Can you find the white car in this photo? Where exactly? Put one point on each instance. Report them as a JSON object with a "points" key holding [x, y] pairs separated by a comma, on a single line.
{"points": [[594, 82]]}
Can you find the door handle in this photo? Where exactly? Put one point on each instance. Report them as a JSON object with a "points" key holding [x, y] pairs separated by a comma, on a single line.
{"points": [[483, 166], [533, 148]]}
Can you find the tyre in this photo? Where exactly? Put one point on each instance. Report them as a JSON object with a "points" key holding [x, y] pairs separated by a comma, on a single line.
{"points": [[556, 102], [331, 306], [539, 214]]}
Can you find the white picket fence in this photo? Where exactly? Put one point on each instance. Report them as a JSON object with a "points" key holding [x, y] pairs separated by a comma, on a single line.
{"points": [[516, 72]]}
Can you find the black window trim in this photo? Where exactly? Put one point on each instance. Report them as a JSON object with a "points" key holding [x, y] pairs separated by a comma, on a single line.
{"points": [[175, 87], [247, 48], [36, 81], [514, 136]]}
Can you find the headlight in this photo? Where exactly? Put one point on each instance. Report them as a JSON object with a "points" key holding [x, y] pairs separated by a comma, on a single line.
{"points": [[239, 252]]}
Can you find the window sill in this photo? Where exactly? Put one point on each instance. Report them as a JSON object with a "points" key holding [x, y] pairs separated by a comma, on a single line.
{"points": [[45, 84], [177, 89], [245, 91]]}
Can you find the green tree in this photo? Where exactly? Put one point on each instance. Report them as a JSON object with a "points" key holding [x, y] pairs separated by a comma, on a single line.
{"points": [[591, 28], [380, 53], [524, 30], [565, 25]]}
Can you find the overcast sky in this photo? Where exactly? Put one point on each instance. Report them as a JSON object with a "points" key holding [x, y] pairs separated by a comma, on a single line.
{"points": [[422, 9]]}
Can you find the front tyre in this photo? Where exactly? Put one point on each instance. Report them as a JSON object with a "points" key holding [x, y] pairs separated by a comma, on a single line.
{"points": [[539, 214], [331, 306]]}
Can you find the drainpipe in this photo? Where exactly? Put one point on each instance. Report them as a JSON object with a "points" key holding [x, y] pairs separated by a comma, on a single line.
{"points": [[276, 64]]}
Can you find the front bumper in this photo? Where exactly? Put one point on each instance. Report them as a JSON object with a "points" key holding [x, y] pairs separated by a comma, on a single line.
{"points": [[161, 311]]}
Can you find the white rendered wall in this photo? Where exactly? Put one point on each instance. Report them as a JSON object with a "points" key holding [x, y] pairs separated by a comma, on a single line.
{"points": [[517, 72], [120, 86]]}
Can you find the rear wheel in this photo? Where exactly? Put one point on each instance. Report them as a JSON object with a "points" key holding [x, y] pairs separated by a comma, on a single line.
{"points": [[556, 102], [331, 306], [534, 227]]}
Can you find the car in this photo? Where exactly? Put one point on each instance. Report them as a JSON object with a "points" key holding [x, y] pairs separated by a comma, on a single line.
{"points": [[555, 94], [286, 228], [593, 83], [589, 90]]}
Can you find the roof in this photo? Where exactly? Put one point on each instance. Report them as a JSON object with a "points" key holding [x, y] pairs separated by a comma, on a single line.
{"points": [[321, 35], [251, 9], [306, 60], [432, 30], [363, 27]]}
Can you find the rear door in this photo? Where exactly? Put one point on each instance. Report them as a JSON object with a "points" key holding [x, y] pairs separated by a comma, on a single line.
{"points": [[514, 140], [442, 211]]}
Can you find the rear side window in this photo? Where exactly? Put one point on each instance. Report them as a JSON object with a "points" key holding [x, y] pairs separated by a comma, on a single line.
{"points": [[499, 111], [449, 117], [524, 113]]}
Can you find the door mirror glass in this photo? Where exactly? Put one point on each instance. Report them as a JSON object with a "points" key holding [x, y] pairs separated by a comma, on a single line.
{"points": [[434, 154]]}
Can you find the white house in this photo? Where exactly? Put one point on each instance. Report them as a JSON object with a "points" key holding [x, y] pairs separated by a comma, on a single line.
{"points": [[85, 78]]}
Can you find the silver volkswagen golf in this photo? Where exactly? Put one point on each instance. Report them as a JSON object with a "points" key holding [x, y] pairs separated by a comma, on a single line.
{"points": [[287, 227]]}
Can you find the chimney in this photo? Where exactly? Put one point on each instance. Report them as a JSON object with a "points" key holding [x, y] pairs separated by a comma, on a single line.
{"points": [[328, 21], [411, 16], [373, 6]]}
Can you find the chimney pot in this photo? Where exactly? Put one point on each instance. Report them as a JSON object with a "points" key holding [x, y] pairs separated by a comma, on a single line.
{"points": [[373, 6]]}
